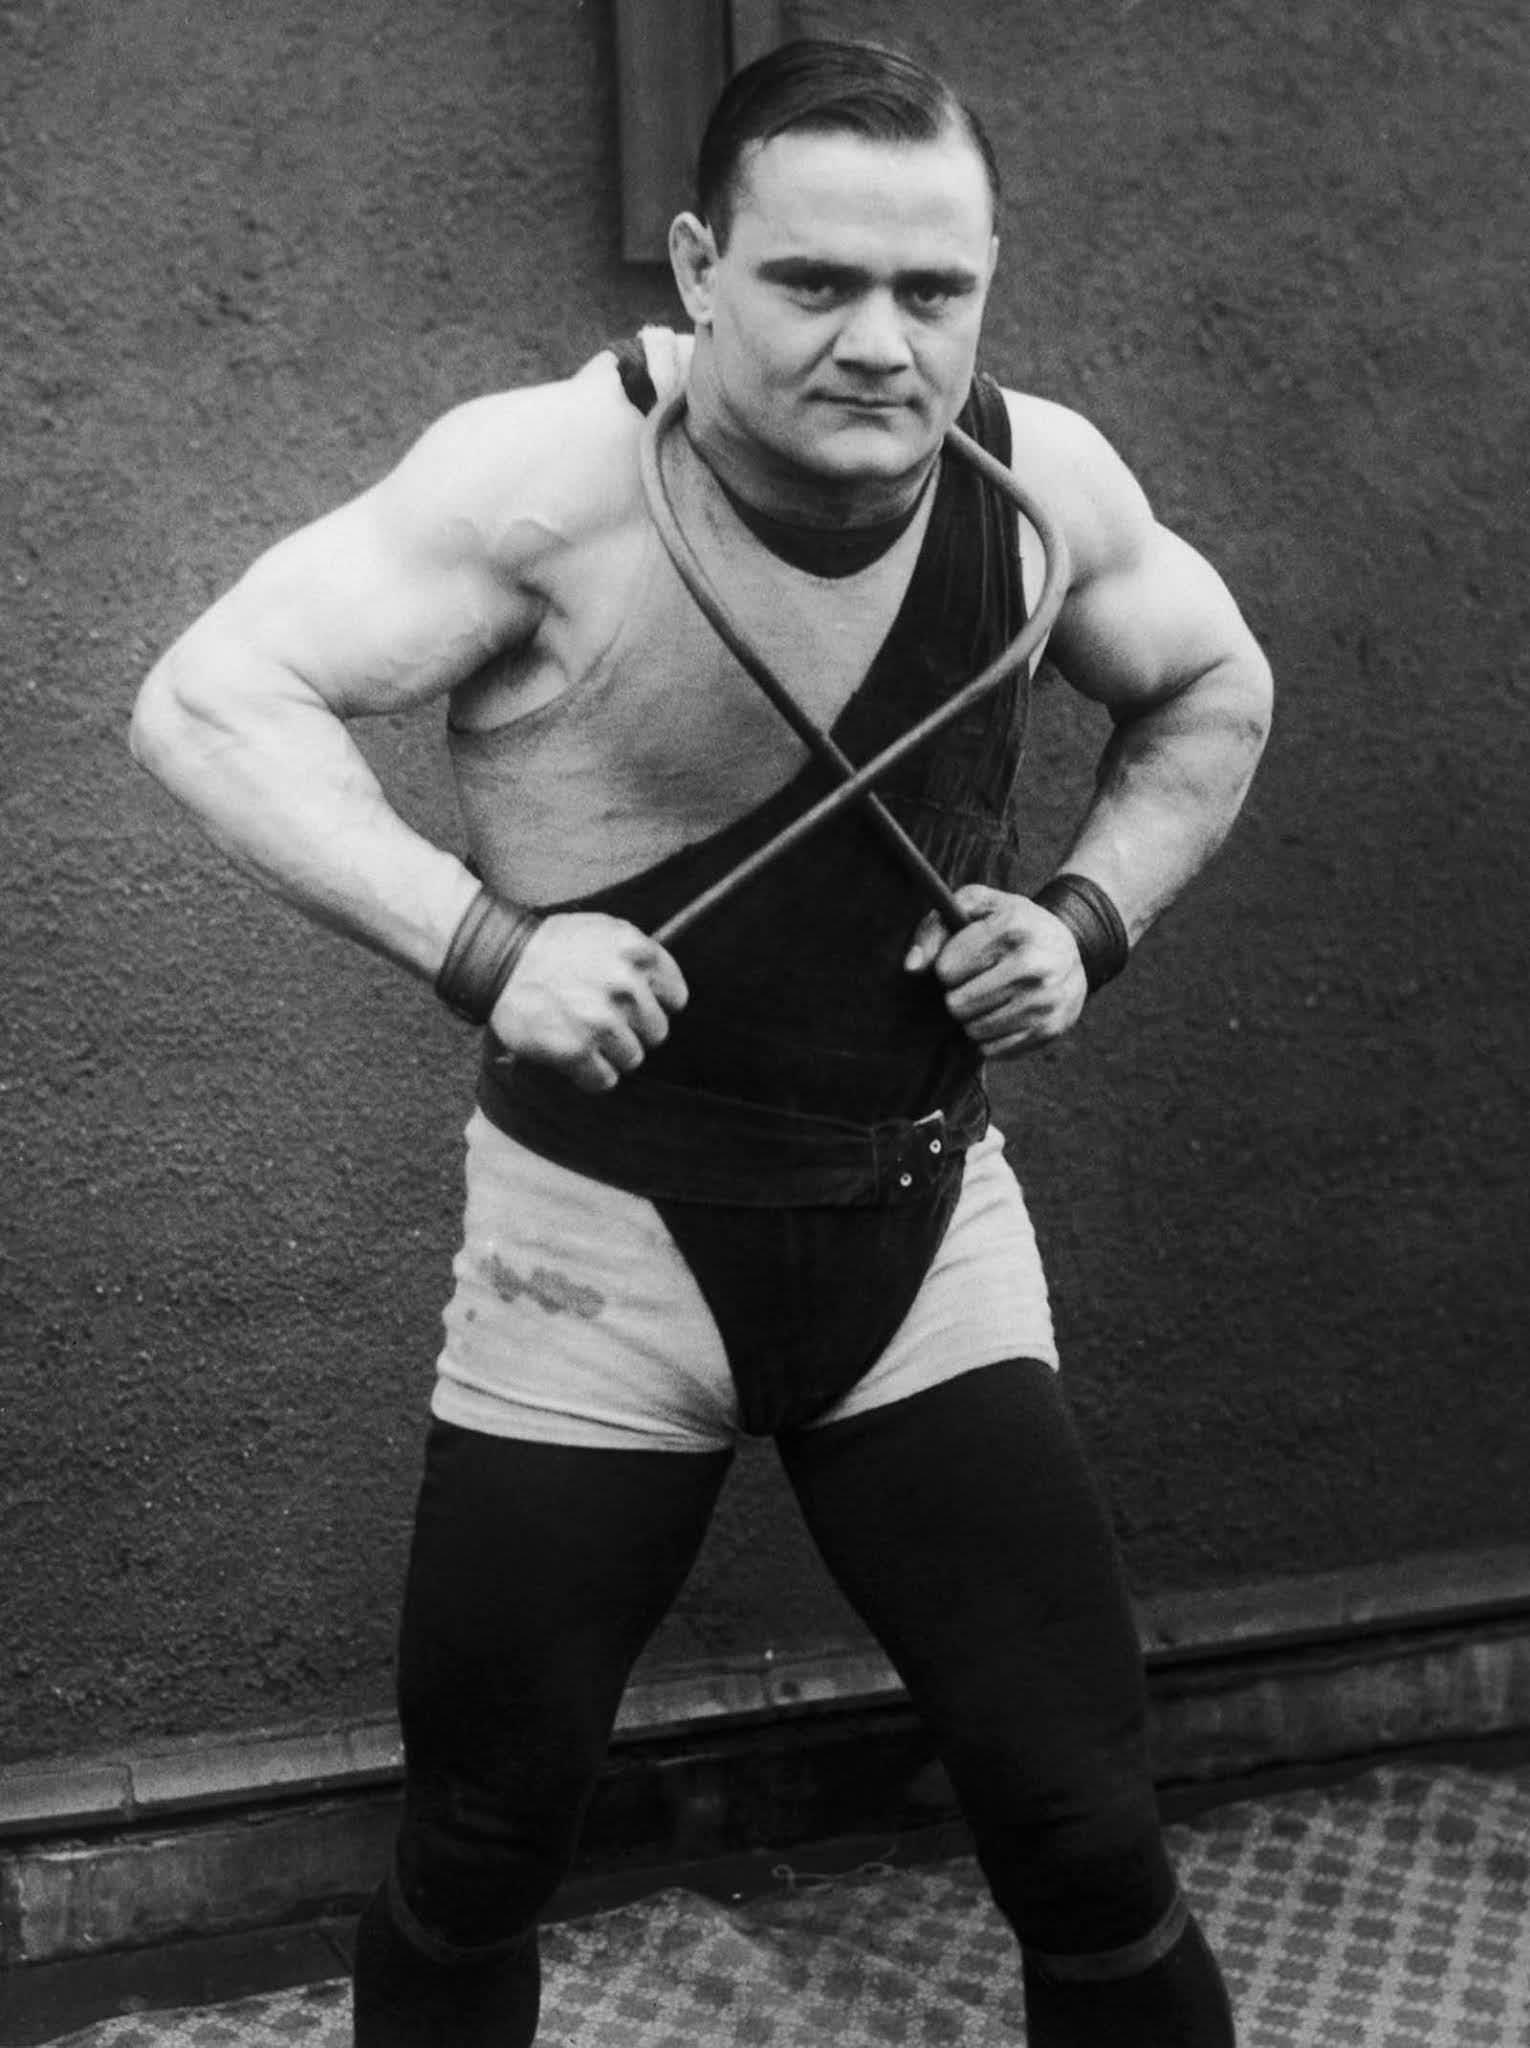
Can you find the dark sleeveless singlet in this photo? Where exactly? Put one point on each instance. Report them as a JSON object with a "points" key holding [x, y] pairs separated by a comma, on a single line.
{"points": [[802, 1129]]}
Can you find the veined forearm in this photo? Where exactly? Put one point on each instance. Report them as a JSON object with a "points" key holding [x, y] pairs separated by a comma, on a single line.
{"points": [[275, 779], [1171, 782]]}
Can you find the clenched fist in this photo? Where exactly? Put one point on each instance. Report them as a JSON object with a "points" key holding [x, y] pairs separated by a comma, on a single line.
{"points": [[591, 995], [1013, 977]]}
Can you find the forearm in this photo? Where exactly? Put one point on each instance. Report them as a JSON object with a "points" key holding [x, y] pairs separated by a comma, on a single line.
{"points": [[275, 779], [1171, 782]]}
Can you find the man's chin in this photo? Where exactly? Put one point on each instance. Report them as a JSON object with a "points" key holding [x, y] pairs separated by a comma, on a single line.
{"points": [[874, 445]]}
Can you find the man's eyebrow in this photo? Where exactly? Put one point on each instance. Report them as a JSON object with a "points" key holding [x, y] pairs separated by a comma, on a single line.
{"points": [[954, 277], [793, 269]]}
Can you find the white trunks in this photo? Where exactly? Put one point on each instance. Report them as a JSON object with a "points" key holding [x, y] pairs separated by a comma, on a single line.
{"points": [[575, 1319]]}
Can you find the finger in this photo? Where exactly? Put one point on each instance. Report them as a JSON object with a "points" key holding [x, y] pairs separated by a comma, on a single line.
{"points": [[663, 977], [592, 1073], [645, 1012], [976, 900], [996, 928], [982, 947], [1007, 983], [1002, 1022], [621, 1047], [929, 937], [982, 1002]]}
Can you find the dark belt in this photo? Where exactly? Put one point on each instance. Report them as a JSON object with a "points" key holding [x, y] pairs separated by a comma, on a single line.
{"points": [[686, 1145]]}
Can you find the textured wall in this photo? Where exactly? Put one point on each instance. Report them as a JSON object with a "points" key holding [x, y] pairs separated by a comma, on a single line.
{"points": [[1279, 1174]]}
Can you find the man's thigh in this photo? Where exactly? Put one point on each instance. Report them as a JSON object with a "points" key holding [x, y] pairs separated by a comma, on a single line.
{"points": [[537, 1573], [967, 1529]]}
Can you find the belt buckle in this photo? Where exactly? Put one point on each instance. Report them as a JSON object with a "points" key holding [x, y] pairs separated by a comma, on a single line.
{"points": [[922, 1153]]}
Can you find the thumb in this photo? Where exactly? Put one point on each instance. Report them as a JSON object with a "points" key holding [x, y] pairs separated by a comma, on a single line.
{"points": [[929, 936], [975, 900]]}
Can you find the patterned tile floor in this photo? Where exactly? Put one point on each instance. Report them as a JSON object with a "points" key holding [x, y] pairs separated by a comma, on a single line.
{"points": [[1392, 1911]]}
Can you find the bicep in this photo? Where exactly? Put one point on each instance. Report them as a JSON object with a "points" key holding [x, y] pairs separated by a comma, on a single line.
{"points": [[1145, 615], [1148, 622], [388, 601]]}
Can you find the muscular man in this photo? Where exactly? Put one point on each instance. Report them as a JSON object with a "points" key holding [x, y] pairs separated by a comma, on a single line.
{"points": [[750, 1183]]}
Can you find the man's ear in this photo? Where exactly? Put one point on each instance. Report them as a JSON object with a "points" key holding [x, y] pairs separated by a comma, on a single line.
{"points": [[693, 258]]}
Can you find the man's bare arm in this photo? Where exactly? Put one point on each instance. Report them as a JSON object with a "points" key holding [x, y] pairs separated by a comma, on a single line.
{"points": [[375, 607], [1150, 631], [381, 605]]}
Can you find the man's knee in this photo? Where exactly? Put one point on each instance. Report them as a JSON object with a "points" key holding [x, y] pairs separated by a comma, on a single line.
{"points": [[475, 1866]]}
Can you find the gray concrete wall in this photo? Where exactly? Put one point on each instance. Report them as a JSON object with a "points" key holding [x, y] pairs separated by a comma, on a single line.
{"points": [[1279, 1174]]}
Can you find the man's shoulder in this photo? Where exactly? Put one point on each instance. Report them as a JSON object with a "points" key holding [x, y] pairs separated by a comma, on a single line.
{"points": [[1074, 467], [1049, 431], [572, 417], [563, 454], [532, 436]]}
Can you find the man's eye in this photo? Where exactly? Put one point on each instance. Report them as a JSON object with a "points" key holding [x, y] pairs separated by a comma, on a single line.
{"points": [[929, 298]]}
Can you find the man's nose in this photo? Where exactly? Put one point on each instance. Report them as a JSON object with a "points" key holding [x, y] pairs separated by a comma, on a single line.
{"points": [[872, 336]]}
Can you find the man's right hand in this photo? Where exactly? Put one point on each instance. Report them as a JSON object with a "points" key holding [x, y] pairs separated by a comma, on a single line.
{"points": [[591, 996]]}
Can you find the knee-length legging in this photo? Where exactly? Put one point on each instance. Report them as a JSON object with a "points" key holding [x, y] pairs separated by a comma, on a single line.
{"points": [[964, 1526]]}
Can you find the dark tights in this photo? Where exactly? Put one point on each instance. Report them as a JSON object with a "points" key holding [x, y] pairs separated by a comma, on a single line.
{"points": [[964, 1527]]}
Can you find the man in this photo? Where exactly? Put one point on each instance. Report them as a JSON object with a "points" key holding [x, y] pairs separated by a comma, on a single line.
{"points": [[748, 1183]]}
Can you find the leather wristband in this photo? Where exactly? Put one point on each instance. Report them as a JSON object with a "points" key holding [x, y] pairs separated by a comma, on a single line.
{"points": [[485, 951], [1097, 926]]}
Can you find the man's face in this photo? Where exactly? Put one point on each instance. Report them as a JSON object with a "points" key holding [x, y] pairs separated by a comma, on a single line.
{"points": [[843, 315]]}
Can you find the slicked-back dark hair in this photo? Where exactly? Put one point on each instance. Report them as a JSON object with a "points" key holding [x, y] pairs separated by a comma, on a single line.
{"points": [[822, 85]]}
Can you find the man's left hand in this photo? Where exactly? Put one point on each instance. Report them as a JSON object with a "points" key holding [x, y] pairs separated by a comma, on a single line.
{"points": [[1012, 976]]}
